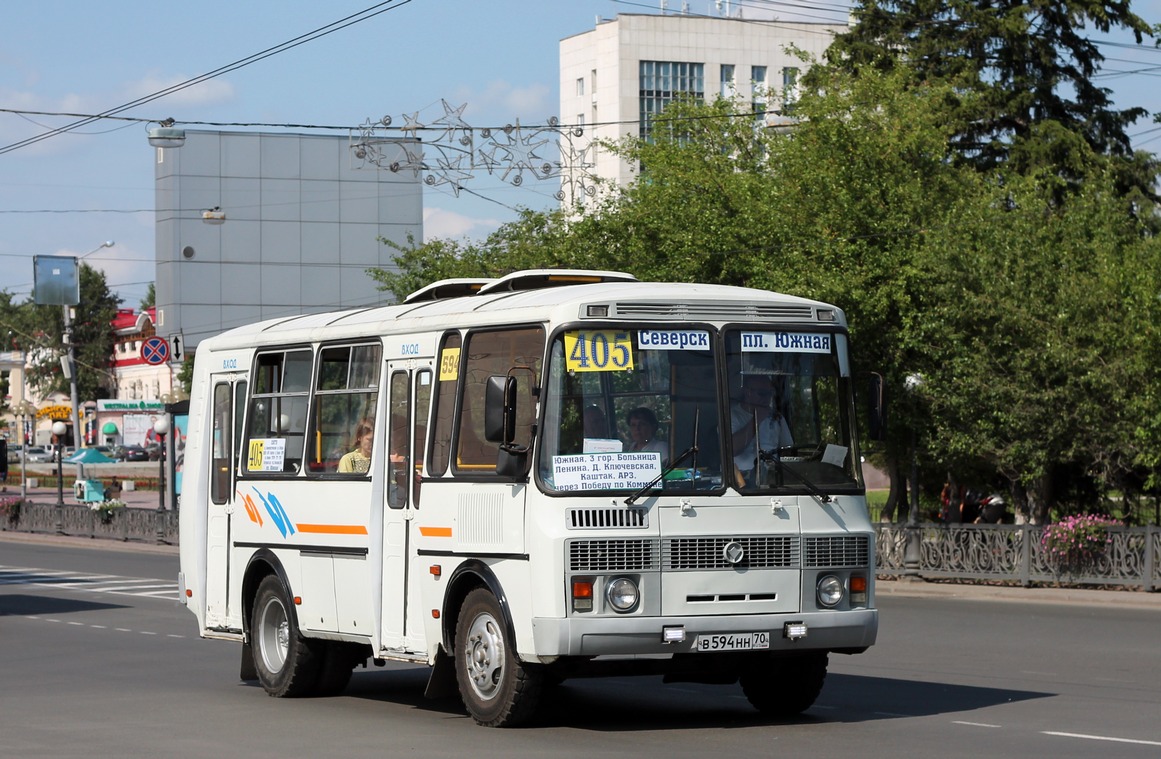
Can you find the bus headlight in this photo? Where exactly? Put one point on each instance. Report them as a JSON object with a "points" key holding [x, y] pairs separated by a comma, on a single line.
{"points": [[830, 591], [622, 594]]}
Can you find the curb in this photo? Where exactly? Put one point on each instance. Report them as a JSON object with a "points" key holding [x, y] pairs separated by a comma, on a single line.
{"points": [[1119, 597], [72, 541]]}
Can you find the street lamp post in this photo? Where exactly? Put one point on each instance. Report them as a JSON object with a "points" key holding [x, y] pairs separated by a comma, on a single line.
{"points": [[161, 427], [913, 547], [25, 410], [71, 355], [58, 430]]}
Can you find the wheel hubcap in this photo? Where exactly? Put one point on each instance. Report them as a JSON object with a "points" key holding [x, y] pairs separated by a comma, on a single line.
{"points": [[485, 656], [273, 636]]}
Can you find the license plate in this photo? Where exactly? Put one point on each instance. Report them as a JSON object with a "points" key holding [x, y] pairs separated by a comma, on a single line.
{"points": [[753, 641]]}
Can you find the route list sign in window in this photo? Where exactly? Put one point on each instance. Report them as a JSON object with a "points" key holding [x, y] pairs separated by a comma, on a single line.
{"points": [[605, 471]]}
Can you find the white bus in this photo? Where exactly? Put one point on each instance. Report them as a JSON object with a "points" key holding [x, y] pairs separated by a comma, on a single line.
{"points": [[562, 482]]}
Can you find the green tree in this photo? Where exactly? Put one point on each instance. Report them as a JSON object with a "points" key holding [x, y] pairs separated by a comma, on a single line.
{"points": [[150, 299], [1025, 63], [1038, 331], [997, 287]]}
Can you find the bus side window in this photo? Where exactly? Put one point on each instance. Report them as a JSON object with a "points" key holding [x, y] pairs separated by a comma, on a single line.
{"points": [[277, 414], [488, 354], [423, 387], [346, 393], [398, 441], [445, 404], [222, 444]]}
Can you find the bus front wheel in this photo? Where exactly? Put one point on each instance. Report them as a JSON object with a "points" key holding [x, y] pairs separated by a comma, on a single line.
{"points": [[497, 690], [285, 662], [782, 687]]}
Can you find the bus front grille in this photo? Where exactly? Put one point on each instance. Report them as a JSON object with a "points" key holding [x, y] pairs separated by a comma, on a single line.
{"points": [[612, 555], [758, 552], [714, 311], [835, 551], [609, 518]]}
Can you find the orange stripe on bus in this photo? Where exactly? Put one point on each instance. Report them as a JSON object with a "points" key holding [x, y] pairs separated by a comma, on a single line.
{"points": [[333, 529], [436, 532]]}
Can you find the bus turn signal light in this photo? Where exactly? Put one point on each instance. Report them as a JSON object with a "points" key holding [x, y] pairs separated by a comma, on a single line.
{"points": [[582, 595]]}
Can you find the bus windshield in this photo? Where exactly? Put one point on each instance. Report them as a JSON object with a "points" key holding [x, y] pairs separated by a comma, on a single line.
{"points": [[791, 411], [622, 404], [626, 407]]}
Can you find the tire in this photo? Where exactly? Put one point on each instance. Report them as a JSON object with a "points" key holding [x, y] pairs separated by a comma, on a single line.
{"points": [[782, 687], [286, 663], [337, 664], [497, 690]]}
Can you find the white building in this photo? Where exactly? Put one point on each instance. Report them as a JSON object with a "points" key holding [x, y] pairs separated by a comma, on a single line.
{"points": [[614, 78]]}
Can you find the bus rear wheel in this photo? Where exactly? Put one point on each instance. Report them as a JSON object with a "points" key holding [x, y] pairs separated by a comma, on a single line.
{"points": [[286, 664], [785, 686], [497, 690]]}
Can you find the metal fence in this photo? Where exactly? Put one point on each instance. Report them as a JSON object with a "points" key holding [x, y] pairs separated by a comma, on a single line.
{"points": [[125, 524], [1015, 554], [1012, 554]]}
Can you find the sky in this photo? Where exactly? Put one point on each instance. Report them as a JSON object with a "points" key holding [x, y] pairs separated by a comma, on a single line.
{"points": [[70, 193]]}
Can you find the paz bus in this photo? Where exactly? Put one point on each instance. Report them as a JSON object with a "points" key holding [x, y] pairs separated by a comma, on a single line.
{"points": [[506, 526]]}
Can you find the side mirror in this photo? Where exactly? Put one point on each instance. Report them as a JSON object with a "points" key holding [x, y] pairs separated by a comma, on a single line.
{"points": [[500, 410]]}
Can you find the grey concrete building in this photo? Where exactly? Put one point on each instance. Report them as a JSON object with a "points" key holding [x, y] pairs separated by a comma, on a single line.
{"points": [[252, 226]]}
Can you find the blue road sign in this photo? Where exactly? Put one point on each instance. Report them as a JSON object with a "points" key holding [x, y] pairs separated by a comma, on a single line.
{"points": [[155, 351]]}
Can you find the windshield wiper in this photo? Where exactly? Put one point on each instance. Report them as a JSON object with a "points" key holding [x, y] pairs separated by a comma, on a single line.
{"points": [[690, 451], [782, 469], [646, 488]]}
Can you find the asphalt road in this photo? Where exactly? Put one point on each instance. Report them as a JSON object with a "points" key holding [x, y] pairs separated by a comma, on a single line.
{"points": [[97, 658]]}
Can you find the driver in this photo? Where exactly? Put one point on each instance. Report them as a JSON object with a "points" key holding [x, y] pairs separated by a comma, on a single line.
{"points": [[756, 410]]}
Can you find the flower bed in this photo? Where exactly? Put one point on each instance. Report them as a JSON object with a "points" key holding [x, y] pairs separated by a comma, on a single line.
{"points": [[1074, 543]]}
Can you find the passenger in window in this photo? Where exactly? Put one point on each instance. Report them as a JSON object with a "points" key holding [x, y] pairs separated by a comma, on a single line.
{"points": [[358, 461], [595, 423], [643, 432], [756, 411]]}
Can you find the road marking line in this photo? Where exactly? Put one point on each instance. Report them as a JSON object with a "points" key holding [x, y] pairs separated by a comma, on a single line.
{"points": [[973, 724], [1102, 738], [148, 632]]}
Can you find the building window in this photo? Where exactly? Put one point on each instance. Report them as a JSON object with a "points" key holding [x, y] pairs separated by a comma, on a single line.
{"points": [[789, 88], [660, 82], [727, 80], [580, 86], [758, 86]]}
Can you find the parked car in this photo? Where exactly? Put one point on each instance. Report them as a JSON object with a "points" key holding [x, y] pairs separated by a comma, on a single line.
{"points": [[154, 451], [14, 453], [38, 454], [134, 453]]}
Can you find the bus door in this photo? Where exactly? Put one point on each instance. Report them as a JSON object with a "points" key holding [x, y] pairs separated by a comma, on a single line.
{"points": [[408, 403], [228, 401]]}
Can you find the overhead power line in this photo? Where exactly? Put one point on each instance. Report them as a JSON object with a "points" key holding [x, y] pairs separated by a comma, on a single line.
{"points": [[322, 31]]}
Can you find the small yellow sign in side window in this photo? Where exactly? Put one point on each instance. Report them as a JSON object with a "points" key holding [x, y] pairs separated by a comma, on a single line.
{"points": [[449, 364]]}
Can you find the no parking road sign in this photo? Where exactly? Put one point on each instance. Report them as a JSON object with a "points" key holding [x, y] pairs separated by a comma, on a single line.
{"points": [[155, 351]]}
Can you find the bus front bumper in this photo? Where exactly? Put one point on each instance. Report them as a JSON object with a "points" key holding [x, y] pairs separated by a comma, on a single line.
{"points": [[843, 631]]}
